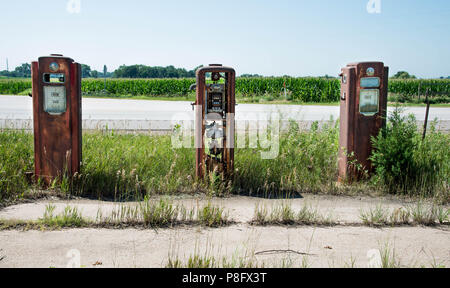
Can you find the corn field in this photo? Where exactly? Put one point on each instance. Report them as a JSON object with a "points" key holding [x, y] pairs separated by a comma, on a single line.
{"points": [[299, 89], [319, 90], [14, 86], [413, 87]]}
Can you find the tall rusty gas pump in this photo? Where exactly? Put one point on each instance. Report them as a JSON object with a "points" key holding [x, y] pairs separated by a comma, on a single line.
{"points": [[56, 116], [214, 120], [364, 89]]}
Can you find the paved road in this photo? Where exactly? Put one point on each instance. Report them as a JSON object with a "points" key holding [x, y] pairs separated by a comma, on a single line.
{"points": [[122, 114]]}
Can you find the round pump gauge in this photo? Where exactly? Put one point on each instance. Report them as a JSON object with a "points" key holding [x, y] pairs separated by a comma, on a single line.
{"points": [[370, 71], [54, 66]]}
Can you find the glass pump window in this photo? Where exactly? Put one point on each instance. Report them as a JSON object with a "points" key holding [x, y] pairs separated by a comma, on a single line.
{"points": [[54, 78], [55, 102], [368, 101], [370, 82]]}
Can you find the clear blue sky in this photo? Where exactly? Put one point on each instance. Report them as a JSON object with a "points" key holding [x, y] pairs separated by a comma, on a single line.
{"points": [[294, 37]]}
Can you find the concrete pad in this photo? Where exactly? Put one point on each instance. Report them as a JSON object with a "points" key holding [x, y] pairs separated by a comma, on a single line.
{"points": [[322, 247], [241, 209]]}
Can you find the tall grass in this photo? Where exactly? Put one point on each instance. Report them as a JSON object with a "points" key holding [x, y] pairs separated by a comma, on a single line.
{"points": [[125, 167], [307, 162], [16, 158]]}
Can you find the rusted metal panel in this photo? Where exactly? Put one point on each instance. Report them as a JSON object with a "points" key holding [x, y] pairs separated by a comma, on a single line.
{"points": [[361, 120], [57, 134], [36, 122], [348, 91], [75, 117], [203, 162]]}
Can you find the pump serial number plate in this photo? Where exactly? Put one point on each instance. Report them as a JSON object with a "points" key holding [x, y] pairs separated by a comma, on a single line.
{"points": [[368, 101], [55, 100]]}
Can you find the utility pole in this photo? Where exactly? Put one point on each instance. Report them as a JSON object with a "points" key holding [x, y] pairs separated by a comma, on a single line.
{"points": [[7, 69], [104, 74], [427, 112]]}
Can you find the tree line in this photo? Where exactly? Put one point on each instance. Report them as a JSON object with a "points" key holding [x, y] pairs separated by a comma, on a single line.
{"points": [[142, 71], [22, 71], [132, 71]]}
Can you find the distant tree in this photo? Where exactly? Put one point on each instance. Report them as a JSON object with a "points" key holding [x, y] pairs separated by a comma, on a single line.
{"points": [[23, 71], [403, 75], [327, 76], [192, 73], [94, 74], [250, 75], [85, 71]]}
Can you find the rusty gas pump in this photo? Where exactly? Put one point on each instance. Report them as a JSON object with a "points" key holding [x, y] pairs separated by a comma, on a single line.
{"points": [[363, 108], [56, 116], [214, 120]]}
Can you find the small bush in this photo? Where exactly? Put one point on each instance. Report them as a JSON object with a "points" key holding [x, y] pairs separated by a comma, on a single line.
{"points": [[377, 216], [211, 216], [406, 164]]}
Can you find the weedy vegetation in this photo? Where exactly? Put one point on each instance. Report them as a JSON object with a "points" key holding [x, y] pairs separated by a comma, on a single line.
{"points": [[70, 217], [283, 214], [418, 214], [132, 166], [150, 213], [125, 167], [376, 216], [164, 213]]}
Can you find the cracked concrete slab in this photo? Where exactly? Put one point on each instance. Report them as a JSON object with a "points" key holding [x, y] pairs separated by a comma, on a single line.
{"points": [[341, 209], [320, 247], [271, 246]]}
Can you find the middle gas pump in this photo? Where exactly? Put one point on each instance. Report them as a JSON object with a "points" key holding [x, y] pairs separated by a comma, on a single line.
{"points": [[215, 120]]}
